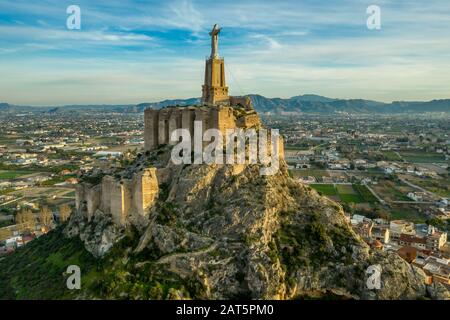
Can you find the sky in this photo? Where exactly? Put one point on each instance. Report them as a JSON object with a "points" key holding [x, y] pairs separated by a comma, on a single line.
{"points": [[134, 51]]}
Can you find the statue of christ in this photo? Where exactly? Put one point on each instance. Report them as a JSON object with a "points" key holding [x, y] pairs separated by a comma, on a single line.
{"points": [[215, 41]]}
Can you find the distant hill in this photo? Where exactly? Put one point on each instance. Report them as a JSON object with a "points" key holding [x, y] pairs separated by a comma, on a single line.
{"points": [[308, 103], [319, 104], [5, 106], [166, 103]]}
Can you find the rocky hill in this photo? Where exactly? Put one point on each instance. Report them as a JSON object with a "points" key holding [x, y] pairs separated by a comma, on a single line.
{"points": [[215, 232]]}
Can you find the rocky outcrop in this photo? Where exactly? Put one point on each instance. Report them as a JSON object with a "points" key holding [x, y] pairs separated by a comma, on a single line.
{"points": [[98, 234], [239, 234]]}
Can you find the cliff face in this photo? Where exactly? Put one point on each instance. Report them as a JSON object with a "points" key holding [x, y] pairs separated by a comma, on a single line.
{"points": [[225, 231]]}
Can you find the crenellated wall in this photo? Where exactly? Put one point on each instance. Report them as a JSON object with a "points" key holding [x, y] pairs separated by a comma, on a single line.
{"points": [[125, 200], [93, 199], [151, 129], [159, 124]]}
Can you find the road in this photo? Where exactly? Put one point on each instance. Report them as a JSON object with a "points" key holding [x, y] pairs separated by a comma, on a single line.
{"points": [[419, 188], [375, 194], [12, 201]]}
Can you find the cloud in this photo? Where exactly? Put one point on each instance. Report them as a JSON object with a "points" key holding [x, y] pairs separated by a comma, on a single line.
{"points": [[131, 50], [50, 34], [185, 16], [271, 42]]}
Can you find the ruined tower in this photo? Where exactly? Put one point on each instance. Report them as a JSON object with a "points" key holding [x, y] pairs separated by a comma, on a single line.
{"points": [[214, 89]]}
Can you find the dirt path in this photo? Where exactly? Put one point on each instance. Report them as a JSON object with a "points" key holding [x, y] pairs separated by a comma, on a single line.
{"points": [[172, 258]]}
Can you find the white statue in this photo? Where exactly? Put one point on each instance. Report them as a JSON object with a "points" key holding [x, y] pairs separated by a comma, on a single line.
{"points": [[215, 41]]}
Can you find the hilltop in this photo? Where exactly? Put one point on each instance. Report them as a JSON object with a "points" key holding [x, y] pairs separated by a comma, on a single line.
{"points": [[215, 232]]}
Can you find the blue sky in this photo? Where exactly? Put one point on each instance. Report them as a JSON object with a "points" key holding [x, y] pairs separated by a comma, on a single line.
{"points": [[133, 51]]}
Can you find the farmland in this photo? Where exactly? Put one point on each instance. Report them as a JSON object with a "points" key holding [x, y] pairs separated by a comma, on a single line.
{"points": [[346, 193], [11, 174], [422, 157]]}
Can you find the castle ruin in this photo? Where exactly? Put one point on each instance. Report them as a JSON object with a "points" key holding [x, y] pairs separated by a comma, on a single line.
{"points": [[128, 200]]}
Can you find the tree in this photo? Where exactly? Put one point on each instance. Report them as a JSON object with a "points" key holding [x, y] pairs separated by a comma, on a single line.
{"points": [[19, 218], [45, 216], [26, 216], [64, 212], [436, 222]]}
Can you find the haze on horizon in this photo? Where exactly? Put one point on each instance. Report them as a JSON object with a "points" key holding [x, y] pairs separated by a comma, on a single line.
{"points": [[134, 51]]}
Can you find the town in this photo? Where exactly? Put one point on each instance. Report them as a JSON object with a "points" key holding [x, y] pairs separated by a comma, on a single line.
{"points": [[390, 173], [42, 158]]}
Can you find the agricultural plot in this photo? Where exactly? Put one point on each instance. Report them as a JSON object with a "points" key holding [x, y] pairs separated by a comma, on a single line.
{"points": [[317, 173], [390, 191], [439, 186], [422, 156], [391, 156], [11, 174], [346, 193], [365, 193], [325, 189], [405, 212]]}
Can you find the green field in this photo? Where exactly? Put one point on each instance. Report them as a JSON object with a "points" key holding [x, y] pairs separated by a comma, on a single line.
{"points": [[7, 175], [70, 194], [53, 181], [406, 213], [422, 156], [365, 193], [324, 189], [295, 148], [346, 193], [345, 189], [391, 156], [351, 198]]}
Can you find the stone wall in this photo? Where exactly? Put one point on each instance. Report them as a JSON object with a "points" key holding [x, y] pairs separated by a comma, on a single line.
{"points": [[246, 102], [79, 196], [146, 190], [249, 121], [223, 118], [107, 189], [187, 119], [159, 124], [126, 200], [163, 125], [118, 203], [175, 122], [93, 199], [151, 129]]}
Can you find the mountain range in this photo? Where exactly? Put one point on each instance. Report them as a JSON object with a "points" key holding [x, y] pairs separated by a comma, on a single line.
{"points": [[307, 103]]}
